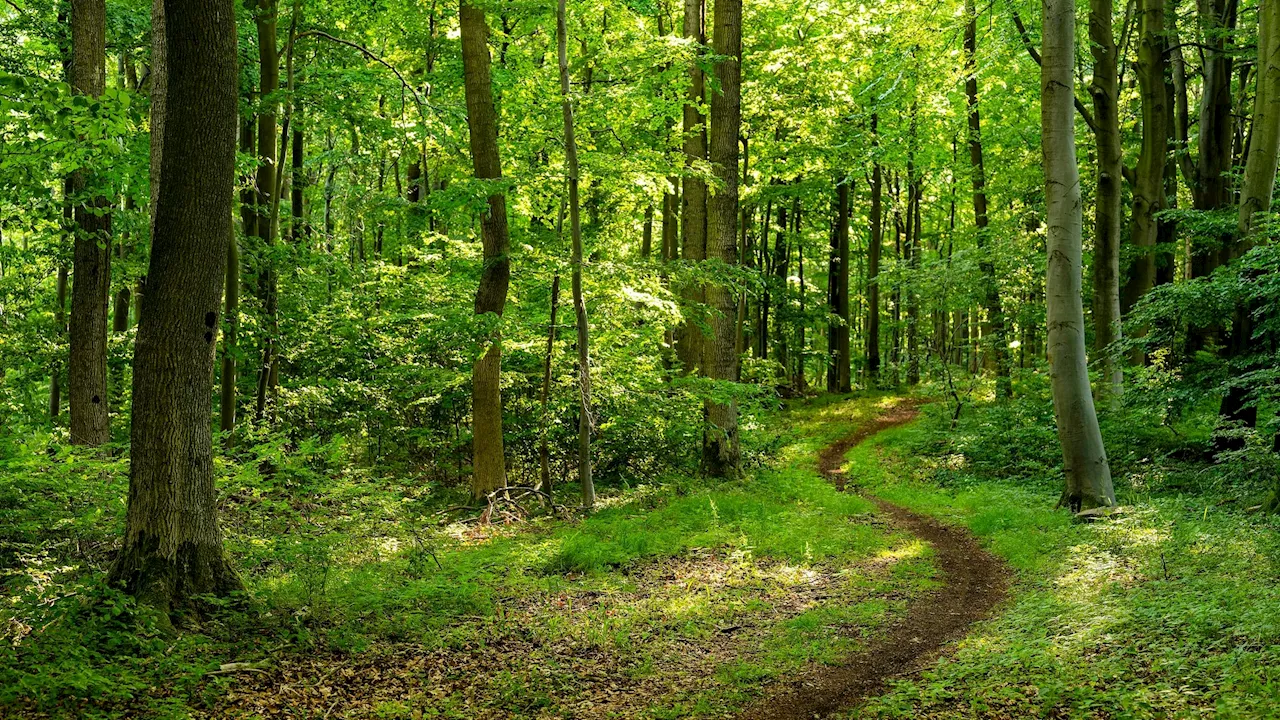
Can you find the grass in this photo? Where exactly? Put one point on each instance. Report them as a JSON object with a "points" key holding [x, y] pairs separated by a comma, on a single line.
{"points": [[680, 599]]}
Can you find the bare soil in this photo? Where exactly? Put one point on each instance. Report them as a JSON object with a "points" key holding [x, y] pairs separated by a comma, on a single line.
{"points": [[973, 581]]}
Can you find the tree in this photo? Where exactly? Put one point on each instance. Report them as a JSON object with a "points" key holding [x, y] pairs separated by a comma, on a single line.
{"points": [[579, 304], [874, 244], [994, 330], [265, 19], [838, 373], [1105, 89], [720, 442], [87, 369], [491, 297], [1088, 476], [172, 545], [693, 213]]}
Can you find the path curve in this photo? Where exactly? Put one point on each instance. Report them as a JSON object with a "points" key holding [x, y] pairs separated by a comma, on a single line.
{"points": [[973, 584]]}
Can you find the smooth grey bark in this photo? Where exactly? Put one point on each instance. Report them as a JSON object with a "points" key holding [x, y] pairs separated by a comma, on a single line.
{"points": [[1088, 476], [874, 245], [172, 544]]}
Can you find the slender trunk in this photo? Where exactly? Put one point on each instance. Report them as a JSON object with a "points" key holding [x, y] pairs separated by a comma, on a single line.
{"points": [[172, 545], [55, 379], [874, 244], [1255, 198], [579, 304], [491, 297], [1088, 476], [544, 453], [781, 262], [646, 235], [1148, 188], [297, 190], [87, 369], [721, 454], [1105, 90], [798, 382], [993, 331], [269, 74], [693, 230], [913, 259], [227, 418]]}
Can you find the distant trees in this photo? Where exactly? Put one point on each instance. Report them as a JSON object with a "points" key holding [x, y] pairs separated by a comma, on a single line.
{"points": [[1088, 476]]}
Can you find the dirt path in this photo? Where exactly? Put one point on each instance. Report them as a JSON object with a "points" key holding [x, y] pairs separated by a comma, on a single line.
{"points": [[974, 582]]}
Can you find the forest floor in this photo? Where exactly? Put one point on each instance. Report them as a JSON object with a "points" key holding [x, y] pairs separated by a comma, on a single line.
{"points": [[776, 596]]}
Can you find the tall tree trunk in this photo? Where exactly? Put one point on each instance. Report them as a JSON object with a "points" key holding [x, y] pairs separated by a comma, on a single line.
{"points": [[1210, 189], [1255, 197], [1088, 476], [1105, 89], [172, 545], [544, 453], [491, 297], [269, 74], [844, 359], [781, 301], [60, 316], [874, 244], [297, 190], [579, 304], [993, 331], [798, 383], [92, 257], [721, 454], [1148, 187], [913, 258], [693, 230]]}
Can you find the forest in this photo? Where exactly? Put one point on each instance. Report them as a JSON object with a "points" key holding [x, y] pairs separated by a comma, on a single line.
{"points": [[639, 359]]}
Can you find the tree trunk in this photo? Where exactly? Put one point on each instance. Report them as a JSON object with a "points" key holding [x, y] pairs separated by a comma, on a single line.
{"points": [[693, 230], [227, 415], [721, 454], [491, 297], [579, 304], [92, 257], [1255, 197], [993, 331], [1148, 187], [544, 453], [172, 545], [1088, 476], [913, 259], [1107, 211], [269, 74], [1210, 189], [297, 190], [874, 244]]}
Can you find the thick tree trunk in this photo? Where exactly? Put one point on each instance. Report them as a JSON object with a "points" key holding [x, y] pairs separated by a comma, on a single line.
{"points": [[874, 244], [585, 482], [721, 454], [994, 330], [1088, 476], [491, 297], [693, 230], [172, 545], [1105, 89], [92, 258], [1210, 189]]}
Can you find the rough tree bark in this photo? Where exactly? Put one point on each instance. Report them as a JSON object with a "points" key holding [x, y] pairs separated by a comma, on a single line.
{"points": [[693, 213], [91, 264], [838, 376], [993, 330], [1088, 476], [172, 545], [579, 304], [721, 454], [491, 297]]}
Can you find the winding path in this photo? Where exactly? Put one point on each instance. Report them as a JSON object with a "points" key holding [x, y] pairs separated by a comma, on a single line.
{"points": [[973, 583]]}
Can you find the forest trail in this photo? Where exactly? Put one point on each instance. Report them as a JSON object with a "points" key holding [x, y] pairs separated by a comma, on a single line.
{"points": [[973, 583]]}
